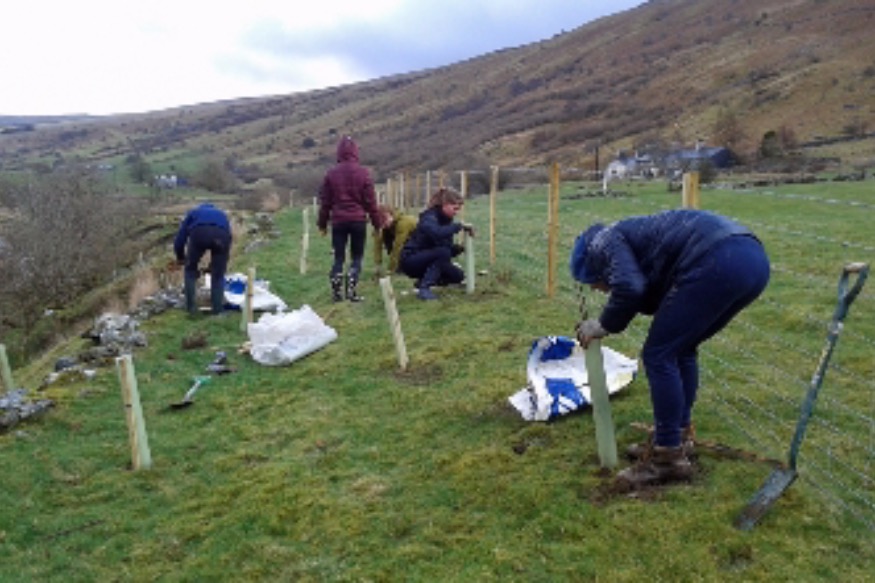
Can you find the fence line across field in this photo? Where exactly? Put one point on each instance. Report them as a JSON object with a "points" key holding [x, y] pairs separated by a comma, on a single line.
{"points": [[837, 460]]}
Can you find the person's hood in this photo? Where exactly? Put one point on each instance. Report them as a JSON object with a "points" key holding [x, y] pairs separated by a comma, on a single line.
{"points": [[347, 150], [579, 255]]}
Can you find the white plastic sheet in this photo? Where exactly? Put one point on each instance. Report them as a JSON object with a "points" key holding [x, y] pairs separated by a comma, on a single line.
{"points": [[558, 381], [278, 339], [263, 300]]}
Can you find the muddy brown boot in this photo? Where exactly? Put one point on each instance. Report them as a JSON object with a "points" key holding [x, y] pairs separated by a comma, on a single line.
{"points": [[664, 465], [638, 451]]}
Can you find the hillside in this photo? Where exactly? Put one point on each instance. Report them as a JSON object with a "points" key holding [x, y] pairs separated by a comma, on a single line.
{"points": [[660, 74]]}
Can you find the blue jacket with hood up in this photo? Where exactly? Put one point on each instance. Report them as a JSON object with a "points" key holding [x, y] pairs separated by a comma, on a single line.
{"points": [[642, 258]]}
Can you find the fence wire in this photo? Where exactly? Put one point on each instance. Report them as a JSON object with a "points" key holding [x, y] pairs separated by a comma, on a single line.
{"points": [[755, 374]]}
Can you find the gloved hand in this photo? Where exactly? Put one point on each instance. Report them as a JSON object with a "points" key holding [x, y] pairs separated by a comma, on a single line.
{"points": [[468, 228], [457, 249], [589, 330]]}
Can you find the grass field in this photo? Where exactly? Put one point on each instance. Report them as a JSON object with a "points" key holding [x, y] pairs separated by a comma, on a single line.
{"points": [[341, 467]]}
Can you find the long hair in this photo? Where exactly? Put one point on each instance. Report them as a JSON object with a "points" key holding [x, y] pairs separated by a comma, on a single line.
{"points": [[444, 196]]}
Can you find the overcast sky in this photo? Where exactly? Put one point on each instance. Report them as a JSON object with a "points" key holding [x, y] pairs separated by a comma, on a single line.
{"points": [[120, 56]]}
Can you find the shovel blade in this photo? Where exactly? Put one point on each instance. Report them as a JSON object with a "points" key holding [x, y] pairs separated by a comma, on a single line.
{"points": [[774, 486]]}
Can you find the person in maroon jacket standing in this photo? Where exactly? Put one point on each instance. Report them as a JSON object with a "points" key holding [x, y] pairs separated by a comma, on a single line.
{"points": [[347, 199]]}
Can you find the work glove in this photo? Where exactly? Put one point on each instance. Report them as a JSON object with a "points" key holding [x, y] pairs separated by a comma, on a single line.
{"points": [[468, 228], [457, 249], [589, 330]]}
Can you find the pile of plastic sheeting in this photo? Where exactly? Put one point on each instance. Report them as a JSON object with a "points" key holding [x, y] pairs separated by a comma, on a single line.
{"points": [[558, 381], [278, 339], [263, 300]]}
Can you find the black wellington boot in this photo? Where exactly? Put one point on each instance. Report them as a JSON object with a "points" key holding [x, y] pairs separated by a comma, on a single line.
{"points": [[336, 287], [352, 281], [190, 289], [217, 297]]}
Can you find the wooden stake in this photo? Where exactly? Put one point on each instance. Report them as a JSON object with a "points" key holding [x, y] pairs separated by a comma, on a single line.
{"points": [[305, 242], [394, 321], [601, 405], [690, 194], [141, 458], [470, 271], [5, 371], [493, 195], [552, 229]]}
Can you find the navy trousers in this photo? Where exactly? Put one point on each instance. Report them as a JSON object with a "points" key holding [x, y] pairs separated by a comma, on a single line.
{"points": [[702, 302], [432, 267], [217, 241], [354, 235]]}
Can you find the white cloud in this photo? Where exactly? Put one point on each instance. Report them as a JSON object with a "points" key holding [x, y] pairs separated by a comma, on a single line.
{"points": [[98, 56]]}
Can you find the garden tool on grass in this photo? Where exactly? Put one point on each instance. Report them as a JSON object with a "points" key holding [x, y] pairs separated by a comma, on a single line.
{"points": [[781, 478], [188, 399]]}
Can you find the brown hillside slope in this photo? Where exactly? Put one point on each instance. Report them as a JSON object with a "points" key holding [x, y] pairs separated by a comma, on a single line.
{"points": [[662, 72]]}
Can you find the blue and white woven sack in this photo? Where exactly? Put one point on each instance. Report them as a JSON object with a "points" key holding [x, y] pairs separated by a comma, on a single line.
{"points": [[558, 381]]}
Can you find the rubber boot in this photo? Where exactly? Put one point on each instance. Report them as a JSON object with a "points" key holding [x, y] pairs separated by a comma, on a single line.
{"points": [[429, 278], [336, 287], [217, 297], [664, 465], [352, 281], [641, 450], [190, 290]]}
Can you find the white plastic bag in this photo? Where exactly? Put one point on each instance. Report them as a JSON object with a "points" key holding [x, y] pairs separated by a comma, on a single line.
{"points": [[557, 379], [278, 339]]}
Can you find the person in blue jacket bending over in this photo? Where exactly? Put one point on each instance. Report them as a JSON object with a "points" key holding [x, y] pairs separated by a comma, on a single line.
{"points": [[204, 228], [694, 271]]}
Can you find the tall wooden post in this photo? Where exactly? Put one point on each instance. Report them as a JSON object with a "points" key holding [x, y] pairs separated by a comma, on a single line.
{"points": [[305, 241], [141, 458], [470, 271], [690, 195], [552, 229], [394, 321], [493, 195], [5, 371]]}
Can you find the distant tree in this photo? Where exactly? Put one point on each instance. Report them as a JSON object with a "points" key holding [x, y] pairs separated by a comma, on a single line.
{"points": [[727, 130], [139, 169], [215, 177], [68, 235], [770, 145]]}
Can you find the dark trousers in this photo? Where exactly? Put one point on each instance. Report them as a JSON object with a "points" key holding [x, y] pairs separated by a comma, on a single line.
{"points": [[702, 302], [217, 241], [353, 235], [432, 267]]}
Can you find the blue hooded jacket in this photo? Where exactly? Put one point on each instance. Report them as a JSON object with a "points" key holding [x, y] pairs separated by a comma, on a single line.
{"points": [[641, 258]]}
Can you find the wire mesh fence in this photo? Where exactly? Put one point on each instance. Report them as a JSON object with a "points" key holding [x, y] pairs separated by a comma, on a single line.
{"points": [[756, 373]]}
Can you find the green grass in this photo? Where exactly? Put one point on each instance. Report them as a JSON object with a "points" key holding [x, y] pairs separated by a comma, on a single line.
{"points": [[341, 467]]}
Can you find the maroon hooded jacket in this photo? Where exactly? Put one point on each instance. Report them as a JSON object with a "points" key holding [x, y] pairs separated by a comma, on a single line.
{"points": [[347, 193]]}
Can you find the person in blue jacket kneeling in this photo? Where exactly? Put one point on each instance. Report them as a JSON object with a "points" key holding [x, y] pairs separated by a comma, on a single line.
{"points": [[694, 271], [204, 228]]}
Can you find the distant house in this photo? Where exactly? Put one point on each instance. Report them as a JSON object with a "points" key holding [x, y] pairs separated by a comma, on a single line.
{"points": [[625, 166]]}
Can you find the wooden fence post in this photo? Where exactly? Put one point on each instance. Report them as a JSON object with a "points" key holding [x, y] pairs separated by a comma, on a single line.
{"points": [[5, 371], [493, 195], [470, 270], [246, 311], [690, 194], [394, 321], [552, 229], [305, 241], [141, 458]]}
